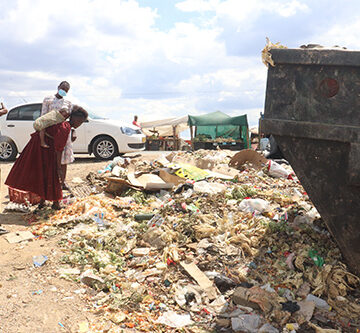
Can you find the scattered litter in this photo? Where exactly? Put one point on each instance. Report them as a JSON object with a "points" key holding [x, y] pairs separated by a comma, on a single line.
{"points": [[267, 328], [248, 323], [175, 320], [276, 170], [90, 279], [209, 188], [17, 207], [40, 260], [192, 240], [201, 279], [20, 236], [323, 330], [254, 206], [319, 302]]}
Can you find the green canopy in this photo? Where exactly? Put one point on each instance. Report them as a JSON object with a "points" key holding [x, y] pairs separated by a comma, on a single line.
{"points": [[218, 124], [217, 118]]}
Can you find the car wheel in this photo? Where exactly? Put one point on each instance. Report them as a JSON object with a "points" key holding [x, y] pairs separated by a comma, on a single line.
{"points": [[105, 148], [8, 150]]}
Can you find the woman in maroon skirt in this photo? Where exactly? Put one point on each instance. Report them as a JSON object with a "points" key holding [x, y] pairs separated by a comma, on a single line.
{"points": [[38, 170]]}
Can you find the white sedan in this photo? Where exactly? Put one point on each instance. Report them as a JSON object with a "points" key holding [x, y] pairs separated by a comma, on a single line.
{"points": [[102, 137]]}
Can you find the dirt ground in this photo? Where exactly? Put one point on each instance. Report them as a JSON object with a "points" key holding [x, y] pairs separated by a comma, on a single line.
{"points": [[37, 299]]}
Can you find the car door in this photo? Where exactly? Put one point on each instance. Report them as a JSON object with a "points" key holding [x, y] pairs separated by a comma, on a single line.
{"points": [[80, 145], [19, 123]]}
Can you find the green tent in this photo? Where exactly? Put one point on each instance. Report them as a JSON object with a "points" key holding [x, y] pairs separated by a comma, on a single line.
{"points": [[218, 124]]}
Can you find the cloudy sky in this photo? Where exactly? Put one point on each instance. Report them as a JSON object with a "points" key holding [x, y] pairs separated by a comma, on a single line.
{"points": [[158, 58]]}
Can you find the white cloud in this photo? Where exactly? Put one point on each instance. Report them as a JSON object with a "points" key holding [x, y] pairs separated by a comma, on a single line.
{"points": [[343, 35], [243, 10], [197, 5], [119, 62], [290, 8]]}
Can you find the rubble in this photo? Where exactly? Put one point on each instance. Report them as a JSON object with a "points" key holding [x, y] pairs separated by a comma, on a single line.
{"points": [[249, 253]]}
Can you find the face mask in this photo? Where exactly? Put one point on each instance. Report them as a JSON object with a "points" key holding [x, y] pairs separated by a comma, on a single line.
{"points": [[62, 93]]}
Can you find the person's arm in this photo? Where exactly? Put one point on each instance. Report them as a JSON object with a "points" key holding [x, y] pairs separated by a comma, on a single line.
{"points": [[73, 135], [3, 110]]}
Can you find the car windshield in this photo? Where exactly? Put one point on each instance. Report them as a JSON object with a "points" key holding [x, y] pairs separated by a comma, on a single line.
{"points": [[95, 116]]}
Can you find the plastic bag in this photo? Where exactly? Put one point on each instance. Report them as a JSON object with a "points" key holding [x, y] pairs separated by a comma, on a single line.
{"points": [[210, 188], [277, 171], [267, 328], [246, 323], [264, 142], [175, 320], [254, 206], [319, 302]]}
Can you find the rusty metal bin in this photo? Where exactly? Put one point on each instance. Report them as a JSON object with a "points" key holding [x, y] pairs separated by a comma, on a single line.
{"points": [[312, 108]]}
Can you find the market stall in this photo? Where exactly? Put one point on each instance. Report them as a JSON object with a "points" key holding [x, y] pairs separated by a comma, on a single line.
{"points": [[164, 134], [218, 130]]}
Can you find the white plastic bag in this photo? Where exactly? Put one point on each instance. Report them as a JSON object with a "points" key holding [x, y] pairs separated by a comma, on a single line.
{"points": [[210, 188], [257, 206], [175, 320], [277, 171]]}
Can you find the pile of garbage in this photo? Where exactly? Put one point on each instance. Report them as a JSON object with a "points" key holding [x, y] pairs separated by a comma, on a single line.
{"points": [[216, 248]]}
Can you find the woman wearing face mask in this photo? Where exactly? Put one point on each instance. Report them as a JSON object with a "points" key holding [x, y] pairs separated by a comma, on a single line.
{"points": [[56, 103], [38, 170]]}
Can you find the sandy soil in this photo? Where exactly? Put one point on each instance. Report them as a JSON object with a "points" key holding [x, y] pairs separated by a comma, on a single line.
{"points": [[37, 299]]}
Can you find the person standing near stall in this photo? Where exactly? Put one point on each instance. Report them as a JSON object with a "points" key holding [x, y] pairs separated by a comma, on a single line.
{"points": [[135, 122]]}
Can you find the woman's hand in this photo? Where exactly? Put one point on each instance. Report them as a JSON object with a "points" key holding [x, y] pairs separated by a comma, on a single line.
{"points": [[73, 135]]}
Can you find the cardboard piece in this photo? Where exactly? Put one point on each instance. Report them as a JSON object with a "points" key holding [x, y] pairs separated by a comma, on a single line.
{"points": [[247, 156], [116, 185], [214, 174], [148, 181], [20, 236], [169, 178], [153, 182], [203, 281]]}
